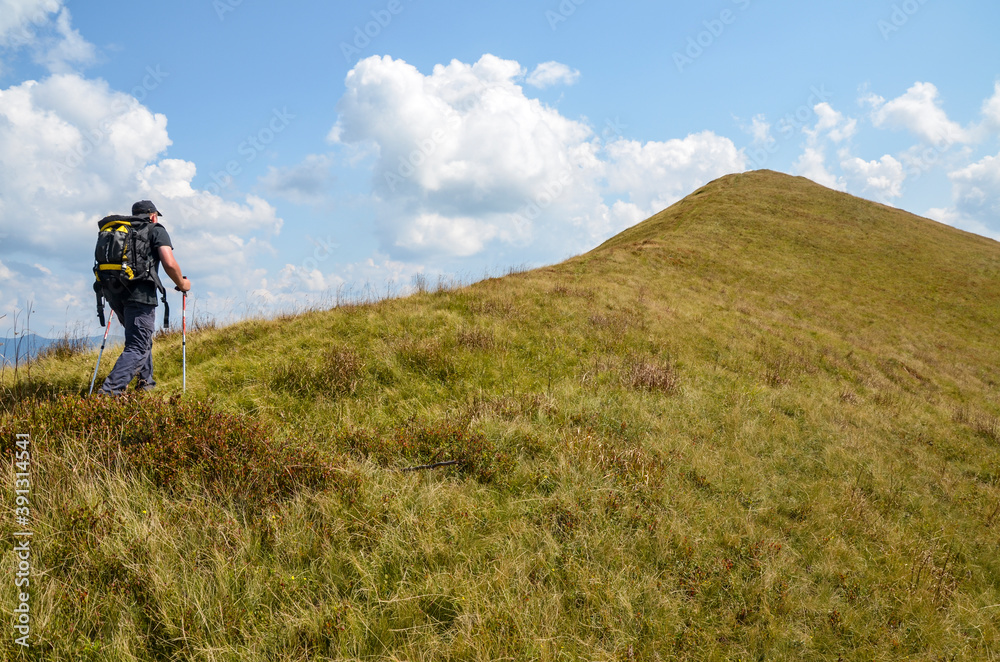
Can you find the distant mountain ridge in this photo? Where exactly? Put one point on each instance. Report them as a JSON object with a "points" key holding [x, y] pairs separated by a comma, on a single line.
{"points": [[27, 347]]}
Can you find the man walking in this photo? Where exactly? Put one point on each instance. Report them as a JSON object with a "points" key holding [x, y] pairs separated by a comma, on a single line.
{"points": [[134, 303]]}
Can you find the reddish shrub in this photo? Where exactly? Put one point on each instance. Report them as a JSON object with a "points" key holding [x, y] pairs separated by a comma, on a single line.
{"points": [[169, 440]]}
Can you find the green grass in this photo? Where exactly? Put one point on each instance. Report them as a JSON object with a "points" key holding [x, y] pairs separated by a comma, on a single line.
{"points": [[763, 424]]}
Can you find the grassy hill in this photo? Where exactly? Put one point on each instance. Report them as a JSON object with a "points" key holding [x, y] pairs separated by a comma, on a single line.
{"points": [[762, 424]]}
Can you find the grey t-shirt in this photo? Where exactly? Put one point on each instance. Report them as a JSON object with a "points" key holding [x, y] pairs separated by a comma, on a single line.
{"points": [[145, 292]]}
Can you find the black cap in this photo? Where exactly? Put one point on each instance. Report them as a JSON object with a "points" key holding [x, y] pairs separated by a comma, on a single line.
{"points": [[144, 208]]}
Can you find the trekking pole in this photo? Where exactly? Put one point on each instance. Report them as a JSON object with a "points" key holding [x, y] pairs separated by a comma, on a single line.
{"points": [[184, 360], [99, 355]]}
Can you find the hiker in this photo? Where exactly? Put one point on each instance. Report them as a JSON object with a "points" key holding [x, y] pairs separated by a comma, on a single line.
{"points": [[133, 298]]}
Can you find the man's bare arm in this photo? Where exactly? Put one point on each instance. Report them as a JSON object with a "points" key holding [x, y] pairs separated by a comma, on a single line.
{"points": [[173, 269]]}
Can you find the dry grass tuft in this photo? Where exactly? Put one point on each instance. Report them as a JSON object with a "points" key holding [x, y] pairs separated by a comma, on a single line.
{"points": [[494, 307], [985, 425], [338, 371], [477, 338], [426, 356], [65, 347], [344, 369], [650, 374]]}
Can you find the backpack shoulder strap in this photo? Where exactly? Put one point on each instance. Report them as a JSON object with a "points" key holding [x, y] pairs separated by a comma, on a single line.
{"points": [[155, 272], [163, 298]]}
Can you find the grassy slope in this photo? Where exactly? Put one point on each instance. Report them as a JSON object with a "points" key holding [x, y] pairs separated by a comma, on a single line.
{"points": [[762, 424]]}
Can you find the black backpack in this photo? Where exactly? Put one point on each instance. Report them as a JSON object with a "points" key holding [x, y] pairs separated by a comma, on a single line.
{"points": [[123, 256]]}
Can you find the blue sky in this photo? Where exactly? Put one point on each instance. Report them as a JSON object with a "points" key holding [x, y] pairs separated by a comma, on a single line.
{"points": [[306, 148]]}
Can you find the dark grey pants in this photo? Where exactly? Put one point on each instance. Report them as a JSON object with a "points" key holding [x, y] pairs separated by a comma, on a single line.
{"points": [[136, 360]]}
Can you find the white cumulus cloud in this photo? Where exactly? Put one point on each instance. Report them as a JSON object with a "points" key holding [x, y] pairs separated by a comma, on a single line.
{"points": [[812, 165], [760, 130], [975, 198], [301, 286], [831, 124], [548, 74], [17, 17], [919, 112], [45, 28], [464, 159], [883, 179], [977, 190], [657, 174], [991, 108], [831, 128], [462, 143], [62, 51]]}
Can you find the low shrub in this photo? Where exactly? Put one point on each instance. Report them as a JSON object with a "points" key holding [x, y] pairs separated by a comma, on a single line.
{"points": [[171, 441]]}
